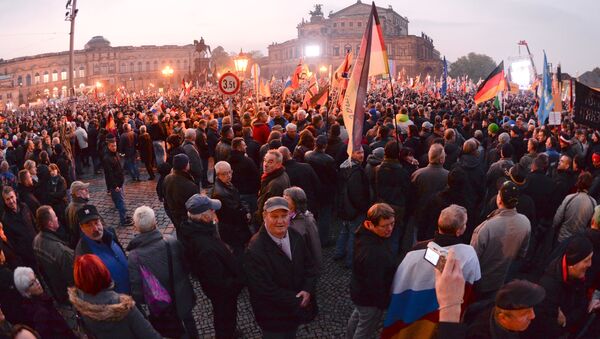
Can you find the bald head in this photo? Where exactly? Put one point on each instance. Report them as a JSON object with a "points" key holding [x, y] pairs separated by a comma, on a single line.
{"points": [[285, 153]]}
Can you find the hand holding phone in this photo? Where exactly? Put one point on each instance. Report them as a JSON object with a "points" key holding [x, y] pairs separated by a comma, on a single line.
{"points": [[436, 255]]}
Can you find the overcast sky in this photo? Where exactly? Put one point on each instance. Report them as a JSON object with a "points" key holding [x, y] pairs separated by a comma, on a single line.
{"points": [[567, 30]]}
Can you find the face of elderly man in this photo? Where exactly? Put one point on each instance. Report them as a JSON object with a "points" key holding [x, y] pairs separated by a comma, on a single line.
{"points": [[277, 222], [93, 229], [225, 173]]}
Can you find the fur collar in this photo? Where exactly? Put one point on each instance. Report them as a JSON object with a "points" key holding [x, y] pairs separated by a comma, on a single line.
{"points": [[102, 312]]}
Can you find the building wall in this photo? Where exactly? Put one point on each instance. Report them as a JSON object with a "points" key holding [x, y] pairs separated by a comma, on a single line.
{"points": [[45, 76]]}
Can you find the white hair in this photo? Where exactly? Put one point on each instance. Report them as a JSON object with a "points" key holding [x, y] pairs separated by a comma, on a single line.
{"points": [[190, 134], [23, 277], [291, 127], [144, 219], [222, 166]]}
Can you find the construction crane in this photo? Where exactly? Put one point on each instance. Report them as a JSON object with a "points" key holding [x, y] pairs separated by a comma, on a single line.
{"points": [[524, 43]]}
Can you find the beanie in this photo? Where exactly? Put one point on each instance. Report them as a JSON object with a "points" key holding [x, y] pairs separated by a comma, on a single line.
{"points": [[180, 161], [579, 248], [493, 128]]}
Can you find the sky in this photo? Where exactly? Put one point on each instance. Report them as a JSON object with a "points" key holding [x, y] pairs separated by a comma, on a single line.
{"points": [[564, 29]]}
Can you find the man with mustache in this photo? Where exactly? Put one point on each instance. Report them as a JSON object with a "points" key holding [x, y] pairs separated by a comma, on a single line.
{"points": [[95, 239]]}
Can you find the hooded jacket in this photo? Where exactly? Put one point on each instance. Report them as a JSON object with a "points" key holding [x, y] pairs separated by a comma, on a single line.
{"points": [[110, 315]]}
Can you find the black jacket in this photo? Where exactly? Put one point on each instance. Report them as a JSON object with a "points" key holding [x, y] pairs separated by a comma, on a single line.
{"points": [[373, 269], [178, 187], [569, 296], [27, 196], [325, 168], [541, 189], [565, 183], [210, 260], [274, 281], [473, 168], [253, 150], [303, 176], [233, 223], [20, 231], [245, 173], [392, 184], [113, 172], [271, 185], [354, 191]]}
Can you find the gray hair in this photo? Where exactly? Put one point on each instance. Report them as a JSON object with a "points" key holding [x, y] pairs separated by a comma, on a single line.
{"points": [[285, 153], [278, 156], [23, 279], [143, 129], [298, 197], [144, 219], [436, 154], [190, 134], [222, 166], [291, 127], [452, 219], [503, 138]]}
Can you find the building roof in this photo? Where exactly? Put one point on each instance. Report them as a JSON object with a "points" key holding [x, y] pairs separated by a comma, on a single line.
{"points": [[97, 42], [358, 8]]}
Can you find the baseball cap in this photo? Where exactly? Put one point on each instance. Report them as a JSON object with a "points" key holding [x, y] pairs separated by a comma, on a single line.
{"points": [[199, 203], [519, 294], [276, 203], [87, 213], [76, 186]]}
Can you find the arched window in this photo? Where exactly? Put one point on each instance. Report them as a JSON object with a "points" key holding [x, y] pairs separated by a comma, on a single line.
{"points": [[55, 92], [46, 77], [81, 72], [63, 74], [148, 66], [36, 78], [139, 66], [131, 67], [155, 65], [347, 48], [20, 80], [28, 80], [123, 68], [55, 76], [63, 91]]}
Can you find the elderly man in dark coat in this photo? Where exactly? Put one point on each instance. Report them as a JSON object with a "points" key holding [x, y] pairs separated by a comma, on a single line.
{"points": [[233, 215], [245, 173], [212, 262], [281, 274], [178, 187], [189, 147], [273, 181], [163, 256], [146, 150]]}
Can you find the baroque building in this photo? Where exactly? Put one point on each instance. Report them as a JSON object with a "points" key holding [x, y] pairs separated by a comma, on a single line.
{"points": [[324, 41], [45, 76]]}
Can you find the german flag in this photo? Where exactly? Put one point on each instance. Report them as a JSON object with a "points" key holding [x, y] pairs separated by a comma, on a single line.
{"points": [[493, 84]]}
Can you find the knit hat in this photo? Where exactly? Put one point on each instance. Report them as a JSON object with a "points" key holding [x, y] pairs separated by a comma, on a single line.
{"points": [[493, 128], [579, 248], [180, 161]]}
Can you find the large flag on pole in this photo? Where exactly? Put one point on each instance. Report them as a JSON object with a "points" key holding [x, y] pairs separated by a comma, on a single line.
{"points": [[371, 61], [489, 88], [445, 78], [313, 89], [341, 73], [546, 102]]}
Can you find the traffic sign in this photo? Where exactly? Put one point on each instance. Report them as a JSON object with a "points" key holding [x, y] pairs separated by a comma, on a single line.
{"points": [[229, 84]]}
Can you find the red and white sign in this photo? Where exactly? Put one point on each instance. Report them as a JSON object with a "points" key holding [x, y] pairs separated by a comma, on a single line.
{"points": [[229, 84]]}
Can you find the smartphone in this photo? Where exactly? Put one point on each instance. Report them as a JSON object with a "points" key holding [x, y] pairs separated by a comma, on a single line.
{"points": [[436, 255]]}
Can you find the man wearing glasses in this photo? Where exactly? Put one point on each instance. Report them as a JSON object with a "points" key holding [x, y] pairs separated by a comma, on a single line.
{"points": [[373, 268]]}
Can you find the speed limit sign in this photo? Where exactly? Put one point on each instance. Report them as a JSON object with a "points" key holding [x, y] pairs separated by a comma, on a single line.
{"points": [[229, 83]]}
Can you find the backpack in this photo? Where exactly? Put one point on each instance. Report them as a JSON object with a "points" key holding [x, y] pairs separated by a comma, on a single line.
{"points": [[157, 297]]}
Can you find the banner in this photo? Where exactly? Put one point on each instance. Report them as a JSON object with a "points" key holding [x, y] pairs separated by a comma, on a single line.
{"points": [[587, 106]]}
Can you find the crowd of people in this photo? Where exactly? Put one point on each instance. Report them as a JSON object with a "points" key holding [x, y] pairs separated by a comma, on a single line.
{"points": [[255, 193]]}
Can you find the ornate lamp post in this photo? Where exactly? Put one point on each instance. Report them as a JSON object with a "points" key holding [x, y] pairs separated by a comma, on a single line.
{"points": [[241, 64]]}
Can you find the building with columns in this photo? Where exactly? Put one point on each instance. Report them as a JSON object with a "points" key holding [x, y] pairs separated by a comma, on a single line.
{"points": [[324, 41], [45, 76]]}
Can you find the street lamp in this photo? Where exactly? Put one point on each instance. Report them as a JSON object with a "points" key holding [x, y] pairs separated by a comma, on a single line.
{"points": [[241, 63], [168, 73], [323, 69]]}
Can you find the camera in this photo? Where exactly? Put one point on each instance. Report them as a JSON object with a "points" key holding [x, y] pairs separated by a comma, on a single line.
{"points": [[436, 255]]}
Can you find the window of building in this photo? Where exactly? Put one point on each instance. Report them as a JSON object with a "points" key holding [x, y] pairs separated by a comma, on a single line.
{"points": [[20, 80], [104, 69], [28, 80], [55, 92], [335, 24], [112, 68], [46, 77], [185, 64], [140, 66], [148, 66], [155, 65], [178, 63], [347, 49], [55, 76], [36, 78], [131, 69], [81, 72], [336, 51], [63, 74], [96, 69], [359, 24], [351, 24], [123, 68], [343, 24], [63, 91]]}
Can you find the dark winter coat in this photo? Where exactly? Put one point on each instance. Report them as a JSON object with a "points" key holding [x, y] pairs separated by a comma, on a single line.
{"points": [[354, 192], [271, 185], [373, 269], [150, 249], [473, 168], [113, 172], [45, 319], [324, 166], [20, 230], [178, 187], [55, 259], [28, 197], [210, 260], [233, 221], [392, 184], [303, 176], [145, 147], [245, 173], [222, 150], [195, 162], [274, 281]]}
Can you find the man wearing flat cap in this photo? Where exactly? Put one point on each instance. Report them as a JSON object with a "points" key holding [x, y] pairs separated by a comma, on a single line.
{"points": [[510, 313], [281, 274], [212, 262]]}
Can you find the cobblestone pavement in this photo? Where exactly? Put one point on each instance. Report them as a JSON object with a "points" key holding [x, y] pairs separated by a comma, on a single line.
{"points": [[333, 294]]}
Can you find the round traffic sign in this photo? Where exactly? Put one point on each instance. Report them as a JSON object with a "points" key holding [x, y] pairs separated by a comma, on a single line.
{"points": [[229, 83]]}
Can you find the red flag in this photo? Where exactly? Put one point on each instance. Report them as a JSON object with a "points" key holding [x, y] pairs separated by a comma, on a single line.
{"points": [[311, 92]]}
